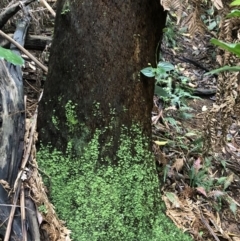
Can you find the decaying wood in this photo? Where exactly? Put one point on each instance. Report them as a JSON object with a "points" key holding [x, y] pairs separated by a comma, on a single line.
{"points": [[49, 8], [31, 214], [12, 10], [34, 42], [12, 128], [19, 46]]}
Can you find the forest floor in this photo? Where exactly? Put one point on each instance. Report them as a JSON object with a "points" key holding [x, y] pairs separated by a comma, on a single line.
{"points": [[202, 194]]}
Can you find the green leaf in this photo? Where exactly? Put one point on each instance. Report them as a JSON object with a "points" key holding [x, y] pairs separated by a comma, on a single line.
{"points": [[159, 91], [11, 57], [166, 66], [221, 180], [231, 47], [224, 68], [235, 3], [234, 13], [148, 72], [172, 122], [212, 25]]}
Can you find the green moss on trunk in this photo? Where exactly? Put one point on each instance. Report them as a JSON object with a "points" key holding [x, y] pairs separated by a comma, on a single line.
{"points": [[105, 200]]}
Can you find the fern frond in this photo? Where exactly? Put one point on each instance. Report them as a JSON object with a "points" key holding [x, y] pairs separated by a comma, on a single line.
{"points": [[194, 22], [217, 4], [175, 6]]}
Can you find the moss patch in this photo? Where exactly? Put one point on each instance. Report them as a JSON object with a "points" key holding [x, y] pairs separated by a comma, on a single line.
{"points": [[103, 199]]}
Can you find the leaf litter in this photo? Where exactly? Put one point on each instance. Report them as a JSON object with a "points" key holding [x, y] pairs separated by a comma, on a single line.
{"points": [[201, 193]]}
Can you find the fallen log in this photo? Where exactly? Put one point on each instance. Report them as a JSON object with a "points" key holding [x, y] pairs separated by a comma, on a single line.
{"points": [[12, 129], [12, 10], [33, 42]]}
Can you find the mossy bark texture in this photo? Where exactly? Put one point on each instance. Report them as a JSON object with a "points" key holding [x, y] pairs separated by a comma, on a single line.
{"points": [[98, 50], [96, 114]]}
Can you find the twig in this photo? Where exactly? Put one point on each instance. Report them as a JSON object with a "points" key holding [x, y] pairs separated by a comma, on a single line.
{"points": [[32, 86], [11, 215], [23, 215], [18, 181], [28, 151], [24, 51], [48, 7], [209, 228]]}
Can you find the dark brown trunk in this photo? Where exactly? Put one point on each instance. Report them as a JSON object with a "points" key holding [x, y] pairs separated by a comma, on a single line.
{"points": [[96, 101], [97, 54]]}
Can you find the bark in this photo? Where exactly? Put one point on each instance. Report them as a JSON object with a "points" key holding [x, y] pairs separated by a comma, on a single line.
{"points": [[12, 127], [96, 57], [98, 50]]}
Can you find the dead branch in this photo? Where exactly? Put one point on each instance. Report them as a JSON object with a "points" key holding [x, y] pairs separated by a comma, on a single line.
{"points": [[11, 11], [34, 42], [49, 8], [24, 51]]}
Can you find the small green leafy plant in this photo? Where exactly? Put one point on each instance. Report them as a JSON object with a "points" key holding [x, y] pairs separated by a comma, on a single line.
{"points": [[108, 202], [42, 209], [209, 186], [199, 176], [169, 83], [66, 8], [169, 36], [71, 115]]}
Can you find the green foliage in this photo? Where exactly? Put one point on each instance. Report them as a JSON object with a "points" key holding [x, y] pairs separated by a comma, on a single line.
{"points": [[235, 3], [66, 8], [198, 175], [42, 209], [55, 120], [210, 19], [224, 68], [11, 57], [71, 115], [231, 47], [105, 199], [233, 14], [165, 74], [170, 33]]}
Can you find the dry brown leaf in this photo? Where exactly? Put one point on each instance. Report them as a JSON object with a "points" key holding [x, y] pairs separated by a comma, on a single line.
{"points": [[175, 6], [5, 184], [178, 164], [201, 190], [236, 239], [173, 198], [218, 4]]}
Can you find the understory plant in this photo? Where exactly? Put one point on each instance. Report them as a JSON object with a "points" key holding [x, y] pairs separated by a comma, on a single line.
{"points": [[231, 47], [208, 185], [169, 84]]}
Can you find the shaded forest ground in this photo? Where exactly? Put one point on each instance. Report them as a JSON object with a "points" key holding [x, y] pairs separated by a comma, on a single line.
{"points": [[201, 193]]}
